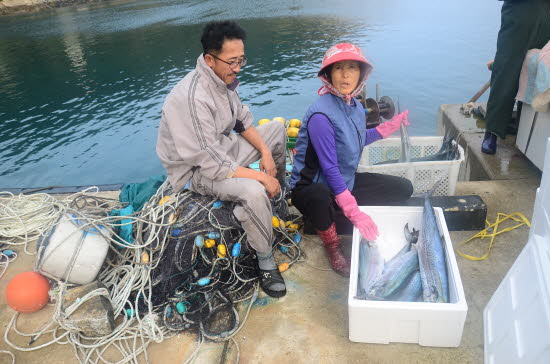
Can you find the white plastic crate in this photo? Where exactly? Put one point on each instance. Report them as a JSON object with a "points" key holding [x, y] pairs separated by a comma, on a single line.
{"points": [[423, 175], [382, 322]]}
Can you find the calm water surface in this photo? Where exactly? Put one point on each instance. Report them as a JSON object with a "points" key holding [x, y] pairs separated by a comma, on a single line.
{"points": [[81, 88]]}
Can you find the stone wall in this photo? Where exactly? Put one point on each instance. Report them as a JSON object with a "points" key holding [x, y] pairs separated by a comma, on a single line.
{"points": [[8, 7]]}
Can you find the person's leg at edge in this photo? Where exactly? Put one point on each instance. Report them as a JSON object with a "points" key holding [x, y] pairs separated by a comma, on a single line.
{"points": [[316, 202], [515, 36]]}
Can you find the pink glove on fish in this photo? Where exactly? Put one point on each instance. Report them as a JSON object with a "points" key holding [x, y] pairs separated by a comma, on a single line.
{"points": [[391, 126], [362, 221]]}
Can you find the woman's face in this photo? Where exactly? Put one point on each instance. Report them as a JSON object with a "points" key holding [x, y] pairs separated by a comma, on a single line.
{"points": [[345, 76]]}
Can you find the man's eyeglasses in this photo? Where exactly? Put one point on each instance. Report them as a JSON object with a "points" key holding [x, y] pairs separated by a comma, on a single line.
{"points": [[233, 64]]}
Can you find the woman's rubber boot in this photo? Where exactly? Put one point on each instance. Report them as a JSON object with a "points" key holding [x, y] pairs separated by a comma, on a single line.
{"points": [[332, 245]]}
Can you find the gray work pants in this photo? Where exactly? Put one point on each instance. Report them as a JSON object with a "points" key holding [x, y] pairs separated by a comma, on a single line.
{"points": [[252, 208]]}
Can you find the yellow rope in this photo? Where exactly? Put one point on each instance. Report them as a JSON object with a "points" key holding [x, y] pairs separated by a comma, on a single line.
{"points": [[516, 216]]}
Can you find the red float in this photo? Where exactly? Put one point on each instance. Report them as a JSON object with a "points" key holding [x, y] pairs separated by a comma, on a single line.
{"points": [[28, 292]]}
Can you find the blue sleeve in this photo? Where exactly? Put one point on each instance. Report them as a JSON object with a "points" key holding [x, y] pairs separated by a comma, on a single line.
{"points": [[371, 135], [321, 134]]}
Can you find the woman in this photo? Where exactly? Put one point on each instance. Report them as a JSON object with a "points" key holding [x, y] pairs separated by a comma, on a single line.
{"points": [[324, 180]]}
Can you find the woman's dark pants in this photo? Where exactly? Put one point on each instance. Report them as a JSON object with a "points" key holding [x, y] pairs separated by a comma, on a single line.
{"points": [[317, 205]]}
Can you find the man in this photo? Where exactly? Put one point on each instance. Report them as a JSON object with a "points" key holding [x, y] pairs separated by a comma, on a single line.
{"points": [[525, 24], [206, 139]]}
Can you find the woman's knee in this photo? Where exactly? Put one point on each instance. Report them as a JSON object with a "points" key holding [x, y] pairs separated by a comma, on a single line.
{"points": [[407, 188], [313, 199]]}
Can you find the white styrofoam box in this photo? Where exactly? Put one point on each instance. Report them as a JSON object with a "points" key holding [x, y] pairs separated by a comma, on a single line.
{"points": [[382, 322], [545, 181], [538, 212], [423, 175], [73, 251], [517, 317], [533, 133]]}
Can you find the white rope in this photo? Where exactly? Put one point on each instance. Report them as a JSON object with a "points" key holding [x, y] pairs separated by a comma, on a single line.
{"points": [[25, 218], [5, 261], [10, 354]]}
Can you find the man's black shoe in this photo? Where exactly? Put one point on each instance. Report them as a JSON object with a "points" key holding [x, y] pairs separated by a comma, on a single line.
{"points": [[489, 145]]}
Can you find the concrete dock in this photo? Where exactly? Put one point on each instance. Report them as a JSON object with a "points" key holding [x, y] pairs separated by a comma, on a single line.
{"points": [[310, 324]]}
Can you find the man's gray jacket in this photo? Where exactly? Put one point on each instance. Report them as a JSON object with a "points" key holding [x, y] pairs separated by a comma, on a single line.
{"points": [[195, 129]]}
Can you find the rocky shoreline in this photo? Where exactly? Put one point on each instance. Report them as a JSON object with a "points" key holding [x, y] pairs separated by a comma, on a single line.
{"points": [[9, 7]]}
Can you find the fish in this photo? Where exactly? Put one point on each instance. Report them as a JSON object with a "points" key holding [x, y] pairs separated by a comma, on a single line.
{"points": [[371, 265], [405, 140], [447, 151], [394, 275], [405, 145], [431, 255], [411, 290], [411, 238]]}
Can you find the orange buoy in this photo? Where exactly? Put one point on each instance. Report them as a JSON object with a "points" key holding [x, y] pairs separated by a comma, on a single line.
{"points": [[28, 292], [283, 267]]}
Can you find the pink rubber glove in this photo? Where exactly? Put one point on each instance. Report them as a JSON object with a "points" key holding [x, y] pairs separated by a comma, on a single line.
{"points": [[362, 221], [391, 126]]}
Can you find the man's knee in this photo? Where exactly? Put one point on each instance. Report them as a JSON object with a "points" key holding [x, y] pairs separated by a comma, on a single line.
{"points": [[253, 191], [276, 130], [280, 129]]}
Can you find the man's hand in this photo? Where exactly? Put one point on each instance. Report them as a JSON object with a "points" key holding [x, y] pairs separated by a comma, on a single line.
{"points": [[271, 185], [267, 164]]}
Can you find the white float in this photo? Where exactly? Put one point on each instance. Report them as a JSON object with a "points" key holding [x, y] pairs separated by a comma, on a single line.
{"points": [[73, 251]]}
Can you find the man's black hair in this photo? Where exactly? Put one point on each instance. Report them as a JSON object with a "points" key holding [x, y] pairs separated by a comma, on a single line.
{"points": [[215, 33]]}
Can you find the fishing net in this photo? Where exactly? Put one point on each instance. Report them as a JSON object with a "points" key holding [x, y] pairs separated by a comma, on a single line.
{"points": [[207, 265]]}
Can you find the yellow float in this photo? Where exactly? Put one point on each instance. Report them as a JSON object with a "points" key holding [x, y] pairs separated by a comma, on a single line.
{"points": [[222, 251], [292, 132], [295, 123]]}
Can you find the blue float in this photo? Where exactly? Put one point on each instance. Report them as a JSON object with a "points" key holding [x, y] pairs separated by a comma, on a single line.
{"points": [[8, 252], [213, 235], [199, 241], [203, 281], [236, 250], [180, 306]]}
